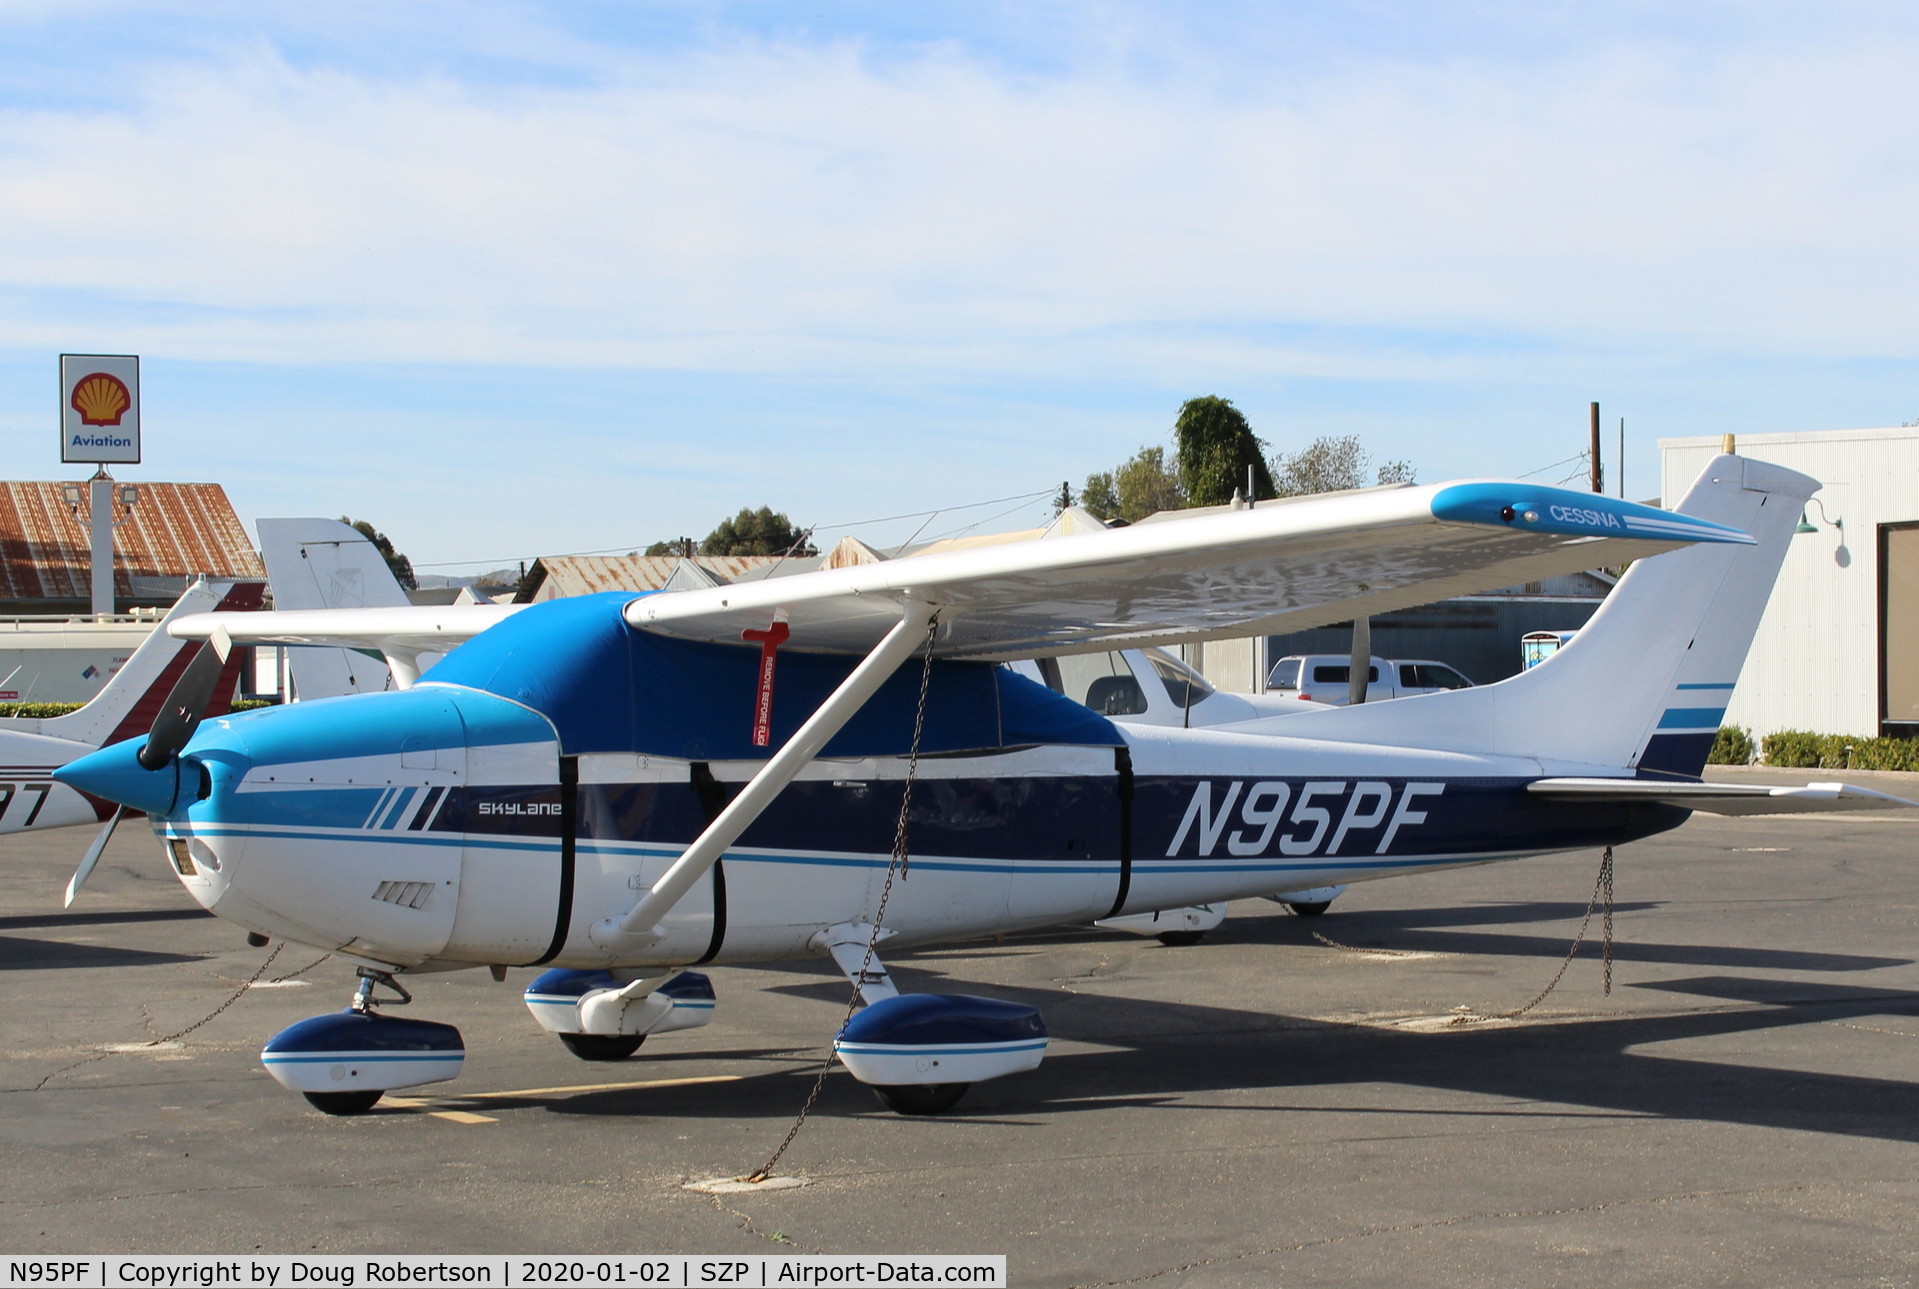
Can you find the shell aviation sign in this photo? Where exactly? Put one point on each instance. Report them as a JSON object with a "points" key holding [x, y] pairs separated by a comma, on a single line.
{"points": [[100, 408]]}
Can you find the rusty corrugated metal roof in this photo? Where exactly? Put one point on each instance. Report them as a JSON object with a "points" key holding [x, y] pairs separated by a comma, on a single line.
{"points": [[569, 575], [176, 530]]}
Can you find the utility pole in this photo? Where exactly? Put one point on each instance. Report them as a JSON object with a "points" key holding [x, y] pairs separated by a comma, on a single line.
{"points": [[1598, 475]]}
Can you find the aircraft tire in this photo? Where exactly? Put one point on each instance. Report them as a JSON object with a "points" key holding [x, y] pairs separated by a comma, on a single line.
{"points": [[920, 1098], [602, 1047], [1311, 909], [344, 1103], [1180, 939]]}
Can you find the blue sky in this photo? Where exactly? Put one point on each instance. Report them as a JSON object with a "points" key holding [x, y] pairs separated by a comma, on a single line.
{"points": [[521, 279]]}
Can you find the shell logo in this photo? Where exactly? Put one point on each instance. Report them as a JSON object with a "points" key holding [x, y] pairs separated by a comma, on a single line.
{"points": [[100, 399]]}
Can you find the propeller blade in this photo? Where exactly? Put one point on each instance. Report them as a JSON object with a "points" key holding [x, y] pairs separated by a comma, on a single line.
{"points": [[186, 706], [1360, 672], [94, 851]]}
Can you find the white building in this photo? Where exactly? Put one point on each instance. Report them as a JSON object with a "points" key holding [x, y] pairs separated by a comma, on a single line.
{"points": [[1838, 649]]}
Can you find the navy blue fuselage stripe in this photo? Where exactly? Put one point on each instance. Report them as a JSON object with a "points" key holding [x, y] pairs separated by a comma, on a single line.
{"points": [[426, 809], [1080, 818]]}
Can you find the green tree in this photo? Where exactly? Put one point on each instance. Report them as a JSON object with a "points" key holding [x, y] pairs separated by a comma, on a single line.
{"points": [[1215, 447], [757, 532], [1142, 485], [1097, 498], [1332, 463], [401, 566], [682, 546]]}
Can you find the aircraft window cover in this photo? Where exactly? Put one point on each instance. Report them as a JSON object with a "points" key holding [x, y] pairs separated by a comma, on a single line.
{"points": [[1080, 672], [1183, 684], [1340, 673], [1285, 674]]}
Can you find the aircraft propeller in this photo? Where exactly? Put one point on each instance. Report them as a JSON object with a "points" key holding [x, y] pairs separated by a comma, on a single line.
{"points": [[1359, 670], [180, 716]]}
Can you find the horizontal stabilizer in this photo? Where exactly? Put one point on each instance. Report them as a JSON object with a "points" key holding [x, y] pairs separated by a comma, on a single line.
{"points": [[1722, 798]]}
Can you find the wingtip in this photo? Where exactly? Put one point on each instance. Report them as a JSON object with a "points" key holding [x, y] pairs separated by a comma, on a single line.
{"points": [[1561, 512]]}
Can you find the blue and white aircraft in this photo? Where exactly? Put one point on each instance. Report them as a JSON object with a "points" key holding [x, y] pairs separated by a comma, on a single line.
{"points": [[616, 788]]}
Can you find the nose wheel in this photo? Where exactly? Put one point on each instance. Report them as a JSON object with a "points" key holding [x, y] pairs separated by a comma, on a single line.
{"points": [[344, 1103], [344, 1062]]}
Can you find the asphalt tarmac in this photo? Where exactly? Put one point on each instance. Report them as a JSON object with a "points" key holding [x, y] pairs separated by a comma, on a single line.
{"points": [[1266, 1108]]}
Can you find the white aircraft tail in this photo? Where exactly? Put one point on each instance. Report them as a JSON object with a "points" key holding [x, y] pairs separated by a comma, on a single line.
{"points": [[128, 703], [325, 564], [1644, 685]]}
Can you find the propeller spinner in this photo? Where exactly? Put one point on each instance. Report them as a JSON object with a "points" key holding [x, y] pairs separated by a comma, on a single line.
{"points": [[150, 782]]}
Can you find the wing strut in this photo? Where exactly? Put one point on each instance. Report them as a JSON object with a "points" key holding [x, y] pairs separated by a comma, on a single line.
{"points": [[899, 645]]}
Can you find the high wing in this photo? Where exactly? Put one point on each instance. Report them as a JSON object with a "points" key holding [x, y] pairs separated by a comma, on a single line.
{"points": [[1278, 567], [1721, 798], [1275, 568], [412, 630]]}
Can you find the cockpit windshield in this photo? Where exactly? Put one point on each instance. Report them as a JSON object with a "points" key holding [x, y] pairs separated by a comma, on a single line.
{"points": [[1185, 685]]}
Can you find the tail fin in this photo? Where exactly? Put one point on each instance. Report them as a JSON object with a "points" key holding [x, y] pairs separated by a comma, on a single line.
{"points": [[132, 698], [325, 564], [1644, 684]]}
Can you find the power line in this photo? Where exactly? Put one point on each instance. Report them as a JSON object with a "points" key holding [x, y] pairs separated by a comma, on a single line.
{"points": [[928, 515]]}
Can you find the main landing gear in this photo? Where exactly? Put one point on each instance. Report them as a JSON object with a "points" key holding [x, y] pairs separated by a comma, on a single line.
{"points": [[345, 1062], [601, 1017], [1309, 903], [921, 1052], [1174, 928]]}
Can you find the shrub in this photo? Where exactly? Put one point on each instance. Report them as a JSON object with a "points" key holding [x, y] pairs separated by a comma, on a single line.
{"points": [[41, 711], [1803, 750], [1732, 746], [37, 710]]}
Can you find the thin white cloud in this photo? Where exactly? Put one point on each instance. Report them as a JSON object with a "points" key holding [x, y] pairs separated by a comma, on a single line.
{"points": [[783, 208]]}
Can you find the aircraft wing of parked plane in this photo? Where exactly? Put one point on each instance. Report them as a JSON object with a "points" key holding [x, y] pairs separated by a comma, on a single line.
{"points": [[1280, 567]]}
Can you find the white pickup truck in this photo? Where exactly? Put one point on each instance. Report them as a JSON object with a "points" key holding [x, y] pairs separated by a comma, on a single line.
{"points": [[1324, 678]]}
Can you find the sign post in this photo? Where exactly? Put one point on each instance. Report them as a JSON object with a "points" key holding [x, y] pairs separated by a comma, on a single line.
{"points": [[100, 425]]}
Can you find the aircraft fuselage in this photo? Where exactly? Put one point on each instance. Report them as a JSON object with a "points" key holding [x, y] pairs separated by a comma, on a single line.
{"points": [[465, 837]]}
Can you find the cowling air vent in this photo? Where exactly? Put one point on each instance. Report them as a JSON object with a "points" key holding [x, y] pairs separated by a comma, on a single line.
{"points": [[410, 894]]}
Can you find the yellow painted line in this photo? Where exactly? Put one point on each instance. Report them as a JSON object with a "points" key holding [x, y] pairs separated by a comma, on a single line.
{"points": [[464, 1116], [598, 1087]]}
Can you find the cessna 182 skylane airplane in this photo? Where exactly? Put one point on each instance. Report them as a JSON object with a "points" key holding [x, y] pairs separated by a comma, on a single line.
{"points": [[607, 787]]}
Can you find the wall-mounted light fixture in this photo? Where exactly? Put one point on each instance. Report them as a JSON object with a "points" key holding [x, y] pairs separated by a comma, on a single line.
{"points": [[1807, 526]]}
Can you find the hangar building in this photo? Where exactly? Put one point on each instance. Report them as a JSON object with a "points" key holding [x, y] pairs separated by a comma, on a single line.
{"points": [[1838, 648]]}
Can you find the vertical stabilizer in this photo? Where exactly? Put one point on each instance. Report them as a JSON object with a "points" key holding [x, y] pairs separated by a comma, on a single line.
{"points": [[132, 697], [325, 564], [1645, 683]]}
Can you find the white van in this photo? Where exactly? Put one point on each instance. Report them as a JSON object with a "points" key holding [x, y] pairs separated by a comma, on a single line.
{"points": [[1324, 678]]}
